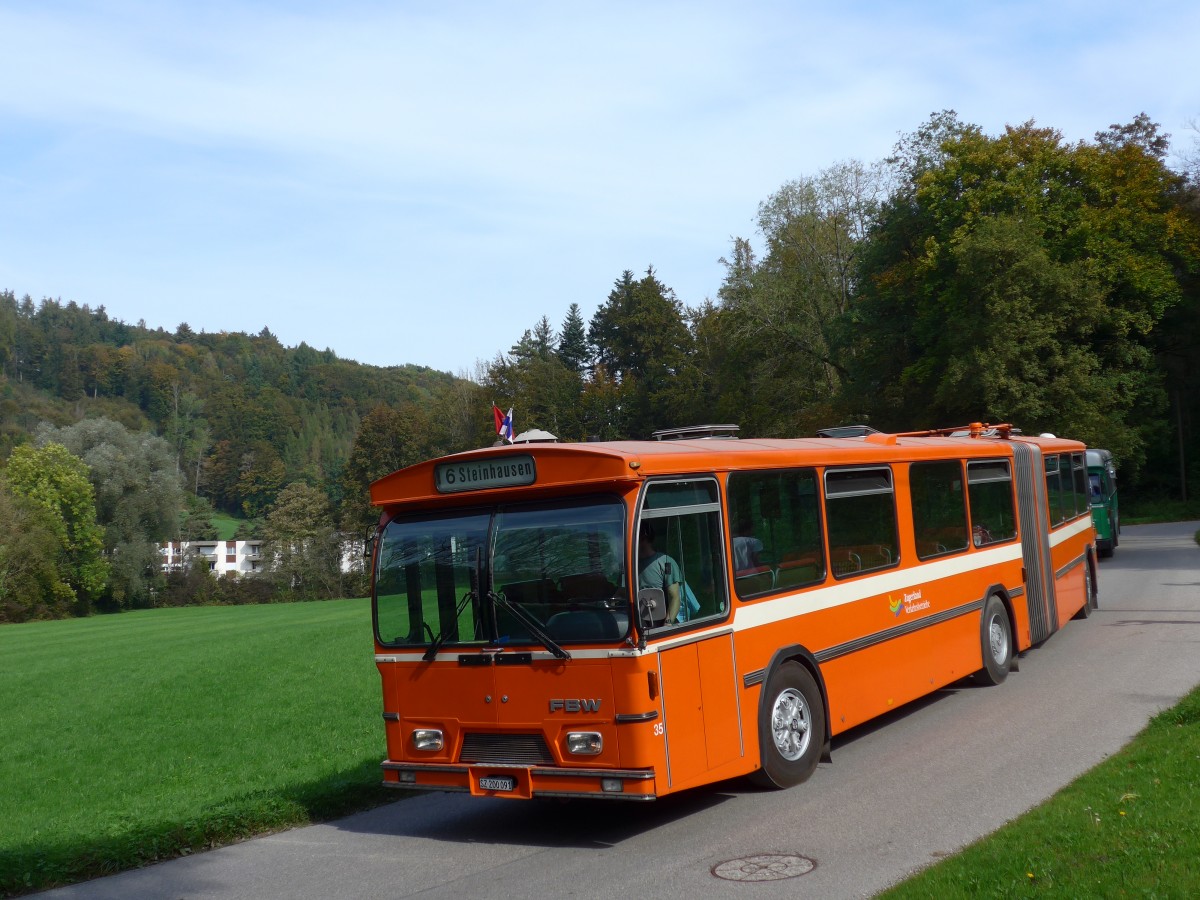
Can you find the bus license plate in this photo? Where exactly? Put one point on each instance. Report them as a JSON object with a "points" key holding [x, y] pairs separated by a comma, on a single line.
{"points": [[497, 783]]}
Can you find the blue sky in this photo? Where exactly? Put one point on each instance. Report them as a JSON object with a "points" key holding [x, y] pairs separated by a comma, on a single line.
{"points": [[420, 183]]}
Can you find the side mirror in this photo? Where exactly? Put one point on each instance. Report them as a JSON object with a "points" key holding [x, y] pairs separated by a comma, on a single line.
{"points": [[652, 606], [369, 540]]}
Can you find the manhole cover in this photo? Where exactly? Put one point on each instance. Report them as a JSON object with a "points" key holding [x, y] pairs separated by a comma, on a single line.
{"points": [[764, 867]]}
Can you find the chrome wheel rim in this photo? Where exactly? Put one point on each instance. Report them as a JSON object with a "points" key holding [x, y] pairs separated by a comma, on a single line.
{"points": [[791, 724], [998, 639]]}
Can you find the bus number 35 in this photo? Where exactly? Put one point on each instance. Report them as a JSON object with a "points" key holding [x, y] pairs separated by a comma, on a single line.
{"points": [[659, 729]]}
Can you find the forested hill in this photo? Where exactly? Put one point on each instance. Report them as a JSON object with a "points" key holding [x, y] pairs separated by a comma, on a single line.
{"points": [[244, 414], [1016, 278]]}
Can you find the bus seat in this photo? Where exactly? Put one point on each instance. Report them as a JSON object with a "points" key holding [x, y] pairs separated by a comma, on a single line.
{"points": [[754, 580], [849, 563], [791, 574], [585, 586], [538, 591]]}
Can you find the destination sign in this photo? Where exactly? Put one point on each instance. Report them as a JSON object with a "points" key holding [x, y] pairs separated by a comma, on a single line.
{"points": [[479, 475]]}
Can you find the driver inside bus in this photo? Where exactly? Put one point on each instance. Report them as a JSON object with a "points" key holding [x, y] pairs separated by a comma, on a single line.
{"points": [[657, 570]]}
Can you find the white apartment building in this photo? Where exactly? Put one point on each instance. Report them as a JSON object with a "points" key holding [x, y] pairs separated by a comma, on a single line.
{"points": [[222, 557]]}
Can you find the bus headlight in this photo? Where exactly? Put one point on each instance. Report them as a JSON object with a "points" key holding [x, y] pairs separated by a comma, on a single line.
{"points": [[584, 743], [428, 739]]}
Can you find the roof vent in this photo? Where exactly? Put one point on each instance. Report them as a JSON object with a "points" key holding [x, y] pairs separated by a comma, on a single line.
{"points": [[847, 431], [697, 432], [535, 436]]}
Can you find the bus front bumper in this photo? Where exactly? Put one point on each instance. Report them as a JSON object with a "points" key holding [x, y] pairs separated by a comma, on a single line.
{"points": [[521, 782]]}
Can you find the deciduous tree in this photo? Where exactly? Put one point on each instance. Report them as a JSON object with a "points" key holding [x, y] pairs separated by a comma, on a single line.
{"points": [[387, 440], [1020, 277], [139, 500], [304, 553], [57, 481], [31, 583]]}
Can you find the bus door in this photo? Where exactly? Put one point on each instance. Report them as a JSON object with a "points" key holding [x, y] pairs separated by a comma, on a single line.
{"points": [[680, 553], [1035, 540]]}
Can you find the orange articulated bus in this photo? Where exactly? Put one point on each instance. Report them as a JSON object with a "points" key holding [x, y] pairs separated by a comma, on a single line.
{"points": [[631, 619]]}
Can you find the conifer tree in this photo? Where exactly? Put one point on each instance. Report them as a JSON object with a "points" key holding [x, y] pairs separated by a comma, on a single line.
{"points": [[572, 345]]}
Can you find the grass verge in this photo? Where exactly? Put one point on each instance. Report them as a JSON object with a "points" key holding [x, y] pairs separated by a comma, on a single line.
{"points": [[142, 736], [1128, 828], [1150, 512]]}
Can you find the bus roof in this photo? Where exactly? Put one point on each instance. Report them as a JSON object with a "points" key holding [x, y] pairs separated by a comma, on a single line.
{"points": [[499, 470]]}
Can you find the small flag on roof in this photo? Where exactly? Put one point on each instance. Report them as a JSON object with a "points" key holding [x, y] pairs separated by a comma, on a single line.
{"points": [[504, 423]]}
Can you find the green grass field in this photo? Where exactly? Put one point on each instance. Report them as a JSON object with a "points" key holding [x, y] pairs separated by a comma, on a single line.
{"points": [[140, 736]]}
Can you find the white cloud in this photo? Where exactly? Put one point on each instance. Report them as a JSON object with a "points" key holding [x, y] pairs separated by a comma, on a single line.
{"points": [[349, 174]]}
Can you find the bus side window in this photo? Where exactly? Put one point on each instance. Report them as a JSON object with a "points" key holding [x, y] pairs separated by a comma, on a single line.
{"points": [[939, 507], [775, 531], [860, 508], [1060, 491], [990, 498], [685, 522]]}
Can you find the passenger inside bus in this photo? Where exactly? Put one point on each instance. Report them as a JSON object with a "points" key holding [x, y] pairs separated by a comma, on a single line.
{"points": [[657, 570], [746, 546]]}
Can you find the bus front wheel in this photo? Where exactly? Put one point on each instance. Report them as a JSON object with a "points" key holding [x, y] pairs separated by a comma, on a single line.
{"points": [[995, 635], [791, 727]]}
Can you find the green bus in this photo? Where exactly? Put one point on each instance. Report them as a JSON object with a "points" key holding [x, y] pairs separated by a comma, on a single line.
{"points": [[1102, 478]]}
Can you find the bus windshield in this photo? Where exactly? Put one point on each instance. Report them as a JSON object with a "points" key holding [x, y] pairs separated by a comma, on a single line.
{"points": [[535, 573]]}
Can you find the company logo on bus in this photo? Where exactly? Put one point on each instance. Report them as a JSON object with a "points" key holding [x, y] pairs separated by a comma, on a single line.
{"points": [[575, 706], [910, 603]]}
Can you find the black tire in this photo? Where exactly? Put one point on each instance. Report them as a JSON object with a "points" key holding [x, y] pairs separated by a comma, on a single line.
{"points": [[1089, 603], [1089, 593], [791, 727], [995, 638], [1093, 592]]}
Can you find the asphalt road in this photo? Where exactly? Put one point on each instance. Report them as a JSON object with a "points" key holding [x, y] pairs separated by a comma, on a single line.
{"points": [[900, 793]]}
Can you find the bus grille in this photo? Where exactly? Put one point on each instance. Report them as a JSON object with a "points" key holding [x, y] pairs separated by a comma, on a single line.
{"points": [[506, 749]]}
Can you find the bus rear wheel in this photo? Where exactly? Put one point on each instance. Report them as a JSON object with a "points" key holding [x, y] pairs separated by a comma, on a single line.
{"points": [[995, 635], [1089, 592], [791, 727]]}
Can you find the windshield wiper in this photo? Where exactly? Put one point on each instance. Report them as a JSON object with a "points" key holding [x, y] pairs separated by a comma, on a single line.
{"points": [[529, 622], [432, 652]]}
